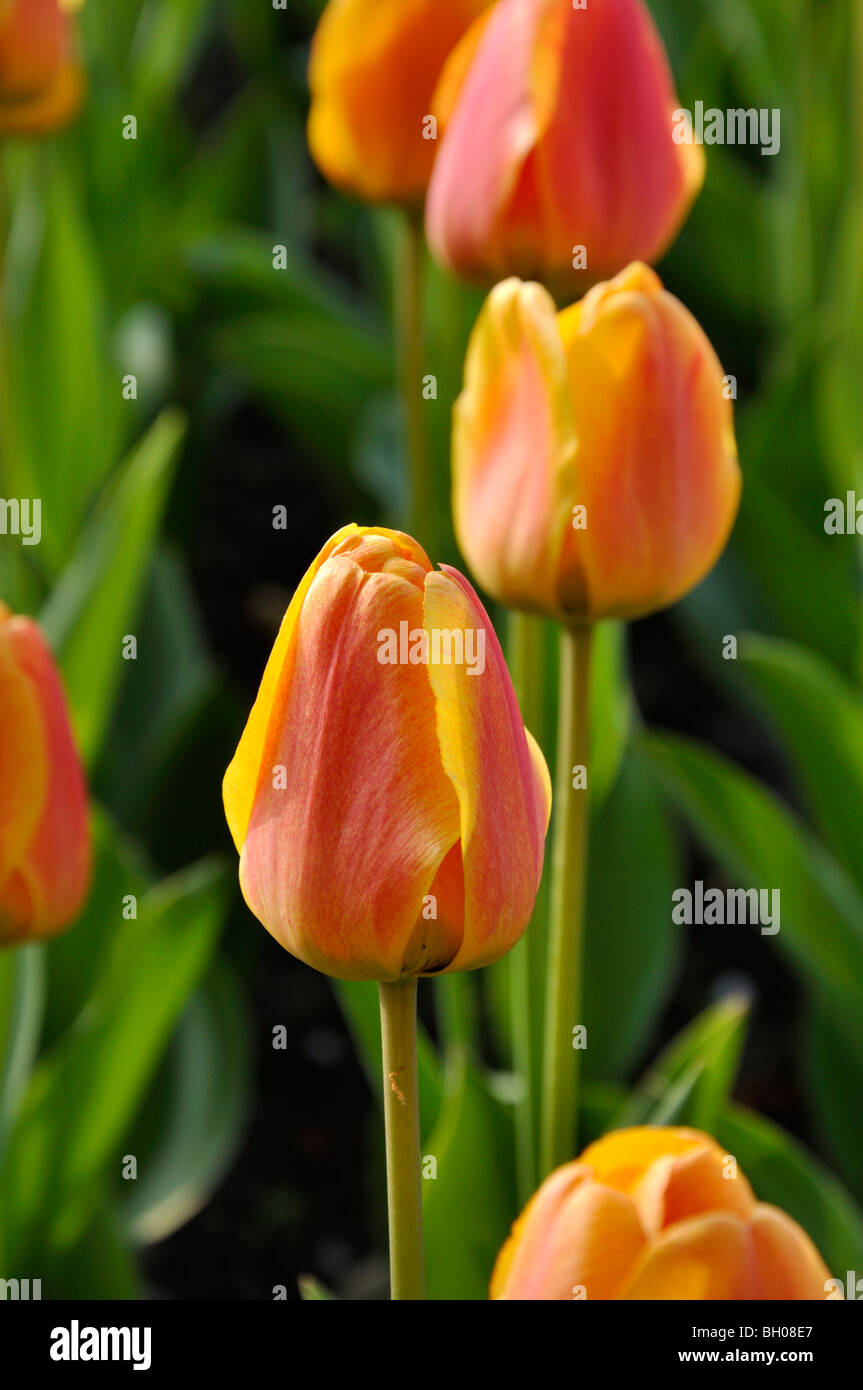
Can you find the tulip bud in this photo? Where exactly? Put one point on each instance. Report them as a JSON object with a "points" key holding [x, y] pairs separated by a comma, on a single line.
{"points": [[559, 150], [373, 69], [655, 1214], [44, 839], [595, 469], [41, 80], [387, 803]]}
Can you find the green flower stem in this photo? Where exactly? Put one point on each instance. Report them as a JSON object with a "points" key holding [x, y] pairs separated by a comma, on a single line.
{"points": [[409, 295], [402, 1119], [568, 873], [525, 961]]}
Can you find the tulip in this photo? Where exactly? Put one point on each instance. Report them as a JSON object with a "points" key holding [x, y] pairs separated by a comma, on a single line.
{"points": [[559, 135], [660, 1214], [389, 807], [41, 79], [594, 461], [373, 69], [44, 840]]}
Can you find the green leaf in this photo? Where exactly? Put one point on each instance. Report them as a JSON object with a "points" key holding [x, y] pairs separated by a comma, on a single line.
{"points": [[79, 958], [471, 1202], [22, 996], [783, 1173], [87, 1088], [694, 1076], [834, 1075], [199, 1108], [62, 395], [762, 845], [819, 716], [631, 943], [173, 676], [94, 605]]}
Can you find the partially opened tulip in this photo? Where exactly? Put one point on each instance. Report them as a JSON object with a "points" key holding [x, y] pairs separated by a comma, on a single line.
{"points": [[44, 837], [595, 475], [656, 1214], [373, 70], [388, 805], [41, 77], [595, 469], [558, 153]]}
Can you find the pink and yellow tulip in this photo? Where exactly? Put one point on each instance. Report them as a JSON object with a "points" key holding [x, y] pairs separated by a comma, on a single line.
{"points": [[389, 809], [44, 838], [595, 469], [655, 1214], [558, 136], [373, 70]]}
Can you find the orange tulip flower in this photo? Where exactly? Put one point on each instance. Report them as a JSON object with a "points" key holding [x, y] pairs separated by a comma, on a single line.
{"points": [[373, 70], [655, 1213], [41, 79], [44, 838], [559, 136], [387, 803], [595, 469]]}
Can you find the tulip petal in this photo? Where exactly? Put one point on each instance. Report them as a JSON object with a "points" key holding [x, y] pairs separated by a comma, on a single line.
{"points": [[498, 118], [22, 758], [656, 460], [240, 783], [787, 1264], [674, 1189], [513, 448], [503, 796], [360, 785], [623, 186], [53, 874], [706, 1257], [619, 1158], [575, 1239], [372, 73]]}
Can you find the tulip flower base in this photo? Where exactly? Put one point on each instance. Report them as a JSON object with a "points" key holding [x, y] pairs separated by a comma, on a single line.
{"points": [[402, 1120]]}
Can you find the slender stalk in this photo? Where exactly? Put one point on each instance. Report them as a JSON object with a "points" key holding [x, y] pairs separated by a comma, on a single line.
{"points": [[568, 873], [421, 508], [402, 1119], [525, 961]]}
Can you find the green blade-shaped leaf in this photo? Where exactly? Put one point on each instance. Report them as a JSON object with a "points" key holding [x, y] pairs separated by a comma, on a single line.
{"points": [[819, 715], [694, 1076], [762, 845], [471, 1202], [191, 1131], [86, 1090], [95, 602]]}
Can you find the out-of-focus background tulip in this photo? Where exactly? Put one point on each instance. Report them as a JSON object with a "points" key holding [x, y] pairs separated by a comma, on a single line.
{"points": [[198, 382]]}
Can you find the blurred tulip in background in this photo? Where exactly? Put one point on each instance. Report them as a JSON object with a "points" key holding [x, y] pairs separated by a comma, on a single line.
{"points": [[44, 838], [655, 1213], [41, 77], [373, 69], [558, 135]]}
